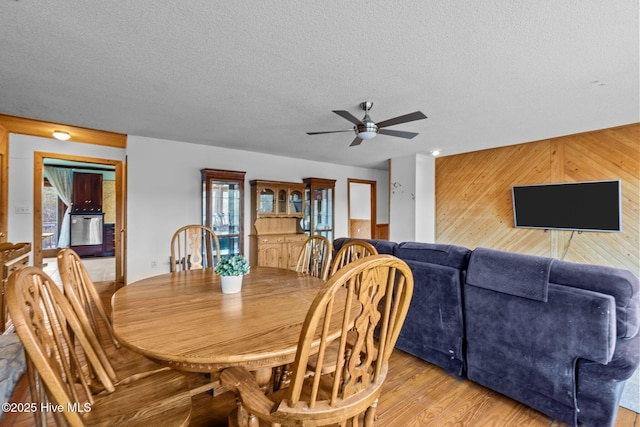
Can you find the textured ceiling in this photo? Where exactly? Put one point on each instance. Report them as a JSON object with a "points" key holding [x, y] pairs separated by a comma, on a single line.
{"points": [[258, 75]]}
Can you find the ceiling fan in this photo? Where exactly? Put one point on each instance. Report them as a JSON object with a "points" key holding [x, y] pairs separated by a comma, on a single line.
{"points": [[367, 129]]}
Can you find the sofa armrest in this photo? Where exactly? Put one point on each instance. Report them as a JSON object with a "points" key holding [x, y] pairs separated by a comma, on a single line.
{"points": [[599, 386], [625, 360]]}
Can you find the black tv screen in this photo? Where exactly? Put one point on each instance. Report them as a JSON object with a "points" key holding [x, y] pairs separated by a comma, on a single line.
{"points": [[587, 206]]}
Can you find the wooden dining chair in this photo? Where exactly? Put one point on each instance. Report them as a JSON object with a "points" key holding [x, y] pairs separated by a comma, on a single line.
{"points": [[69, 376], [315, 260], [351, 251], [369, 299], [192, 248], [315, 257], [81, 292]]}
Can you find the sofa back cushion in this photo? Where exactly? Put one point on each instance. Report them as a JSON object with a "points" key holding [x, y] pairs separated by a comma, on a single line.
{"points": [[526, 276], [434, 253], [619, 283], [382, 246]]}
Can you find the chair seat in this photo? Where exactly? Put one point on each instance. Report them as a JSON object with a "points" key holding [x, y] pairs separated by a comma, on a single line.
{"points": [[159, 399]]}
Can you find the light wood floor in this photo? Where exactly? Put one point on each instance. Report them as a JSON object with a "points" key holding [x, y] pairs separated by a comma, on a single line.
{"points": [[416, 393]]}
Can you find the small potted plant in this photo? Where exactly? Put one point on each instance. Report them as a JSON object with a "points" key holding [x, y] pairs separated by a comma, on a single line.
{"points": [[231, 270]]}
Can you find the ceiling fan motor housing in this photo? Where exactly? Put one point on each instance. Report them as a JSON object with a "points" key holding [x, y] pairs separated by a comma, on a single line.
{"points": [[367, 130]]}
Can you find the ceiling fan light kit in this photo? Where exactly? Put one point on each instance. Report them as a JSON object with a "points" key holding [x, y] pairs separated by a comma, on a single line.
{"points": [[367, 129]]}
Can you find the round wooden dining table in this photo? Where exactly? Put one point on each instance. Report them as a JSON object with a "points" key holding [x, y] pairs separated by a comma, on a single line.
{"points": [[183, 319]]}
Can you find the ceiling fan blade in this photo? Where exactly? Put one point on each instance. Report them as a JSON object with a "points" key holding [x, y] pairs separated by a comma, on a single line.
{"points": [[329, 131], [355, 142], [398, 133], [416, 115], [347, 115]]}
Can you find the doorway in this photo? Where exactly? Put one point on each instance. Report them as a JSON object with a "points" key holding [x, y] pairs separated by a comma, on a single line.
{"points": [[362, 208], [115, 215]]}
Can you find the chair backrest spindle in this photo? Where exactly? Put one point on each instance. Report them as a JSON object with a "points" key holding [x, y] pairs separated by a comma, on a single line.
{"points": [[192, 248], [315, 257], [351, 251]]}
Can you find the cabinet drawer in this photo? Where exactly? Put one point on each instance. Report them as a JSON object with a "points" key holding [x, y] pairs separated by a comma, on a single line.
{"points": [[268, 240], [296, 238]]}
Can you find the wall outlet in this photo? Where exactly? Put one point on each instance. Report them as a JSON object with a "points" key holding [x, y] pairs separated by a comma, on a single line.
{"points": [[154, 264]]}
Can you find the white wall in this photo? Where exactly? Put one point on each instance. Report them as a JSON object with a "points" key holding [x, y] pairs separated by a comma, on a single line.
{"points": [[21, 159], [425, 199], [164, 192], [412, 199]]}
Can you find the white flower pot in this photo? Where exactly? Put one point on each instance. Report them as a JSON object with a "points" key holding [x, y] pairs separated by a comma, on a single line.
{"points": [[231, 284]]}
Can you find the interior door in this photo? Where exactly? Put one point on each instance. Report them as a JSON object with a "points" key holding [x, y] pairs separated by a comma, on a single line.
{"points": [[362, 208], [4, 188], [120, 234]]}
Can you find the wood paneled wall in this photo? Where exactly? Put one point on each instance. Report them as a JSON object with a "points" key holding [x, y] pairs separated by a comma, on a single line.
{"points": [[473, 195], [360, 228]]}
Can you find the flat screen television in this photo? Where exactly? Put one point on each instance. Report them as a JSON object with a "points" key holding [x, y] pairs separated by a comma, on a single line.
{"points": [[583, 206]]}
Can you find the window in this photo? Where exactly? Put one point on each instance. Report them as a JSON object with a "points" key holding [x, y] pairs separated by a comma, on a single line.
{"points": [[50, 208]]}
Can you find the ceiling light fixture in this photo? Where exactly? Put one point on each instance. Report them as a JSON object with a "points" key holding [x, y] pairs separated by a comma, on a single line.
{"points": [[61, 135], [368, 129], [435, 153]]}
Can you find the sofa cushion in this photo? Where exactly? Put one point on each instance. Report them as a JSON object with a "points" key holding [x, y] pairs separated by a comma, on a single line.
{"points": [[526, 276], [619, 283], [434, 253], [382, 246]]}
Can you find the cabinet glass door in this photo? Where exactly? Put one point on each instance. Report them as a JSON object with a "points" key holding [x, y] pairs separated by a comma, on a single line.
{"points": [[267, 201], [282, 202], [295, 202], [322, 208], [319, 205], [223, 196]]}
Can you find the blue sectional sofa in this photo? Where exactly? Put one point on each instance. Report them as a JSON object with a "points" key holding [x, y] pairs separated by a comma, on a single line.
{"points": [[559, 337]]}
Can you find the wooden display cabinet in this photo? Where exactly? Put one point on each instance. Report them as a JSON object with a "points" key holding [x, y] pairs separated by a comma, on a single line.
{"points": [[223, 208], [276, 214], [319, 207], [276, 198], [278, 250]]}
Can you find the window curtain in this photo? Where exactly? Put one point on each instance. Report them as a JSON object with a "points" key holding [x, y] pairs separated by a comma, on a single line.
{"points": [[62, 180]]}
